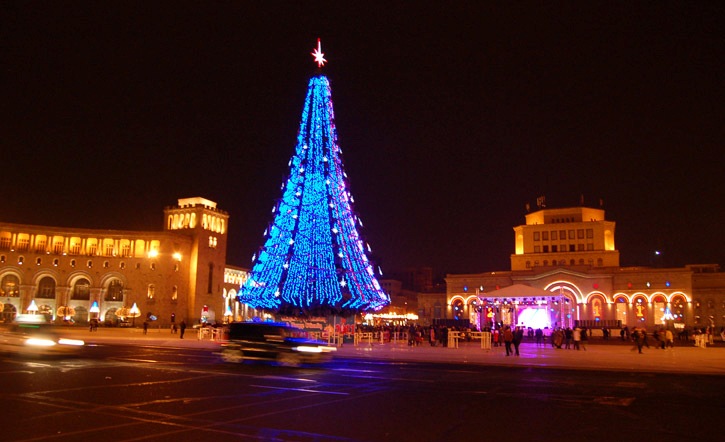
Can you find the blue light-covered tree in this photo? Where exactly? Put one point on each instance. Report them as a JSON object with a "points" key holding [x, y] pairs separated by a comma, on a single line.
{"points": [[314, 260]]}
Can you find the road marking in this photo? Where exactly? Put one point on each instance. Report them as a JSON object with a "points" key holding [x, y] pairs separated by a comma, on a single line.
{"points": [[304, 390]]}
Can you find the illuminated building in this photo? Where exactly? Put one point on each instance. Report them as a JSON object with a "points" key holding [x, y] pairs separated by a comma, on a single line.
{"points": [[565, 272], [72, 274]]}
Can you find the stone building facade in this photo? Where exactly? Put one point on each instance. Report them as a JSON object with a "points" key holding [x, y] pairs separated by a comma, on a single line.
{"points": [[123, 277], [565, 271]]}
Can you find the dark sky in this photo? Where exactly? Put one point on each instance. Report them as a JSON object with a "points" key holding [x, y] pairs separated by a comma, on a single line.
{"points": [[451, 117]]}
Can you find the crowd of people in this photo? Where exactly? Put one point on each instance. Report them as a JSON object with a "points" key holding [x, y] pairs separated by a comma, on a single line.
{"points": [[511, 337]]}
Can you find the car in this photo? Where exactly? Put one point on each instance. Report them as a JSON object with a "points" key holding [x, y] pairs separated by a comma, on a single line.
{"points": [[271, 341], [37, 338]]}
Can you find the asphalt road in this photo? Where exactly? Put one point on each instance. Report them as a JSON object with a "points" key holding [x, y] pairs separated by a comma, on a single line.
{"points": [[138, 392]]}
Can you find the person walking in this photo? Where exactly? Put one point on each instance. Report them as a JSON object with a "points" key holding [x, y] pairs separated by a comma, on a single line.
{"points": [[568, 335], [518, 337], [182, 329], [508, 338], [584, 338], [577, 337], [638, 338], [669, 339], [146, 327]]}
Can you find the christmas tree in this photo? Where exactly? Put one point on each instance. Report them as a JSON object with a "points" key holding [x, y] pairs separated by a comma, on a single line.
{"points": [[314, 260]]}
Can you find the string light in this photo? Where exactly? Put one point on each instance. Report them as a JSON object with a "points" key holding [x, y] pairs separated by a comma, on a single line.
{"points": [[313, 255]]}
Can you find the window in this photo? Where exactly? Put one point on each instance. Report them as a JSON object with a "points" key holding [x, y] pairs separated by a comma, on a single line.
{"points": [[572, 247], [5, 243], [546, 249], [108, 249], [536, 236], [153, 266], [562, 234], [58, 247], [590, 246], [580, 233], [72, 262], [126, 250], [545, 236], [92, 249], [151, 291], [174, 293], [10, 287], [580, 247], [40, 246], [114, 291], [554, 235], [122, 265], [571, 234], [39, 261], [89, 264], [2, 259], [23, 245], [81, 290], [590, 233], [554, 248], [106, 264], [56, 261], [46, 288], [537, 249]]}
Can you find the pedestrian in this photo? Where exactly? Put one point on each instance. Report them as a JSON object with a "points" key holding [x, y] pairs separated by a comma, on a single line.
{"points": [[182, 328], [146, 326], [539, 337], [518, 337], [508, 338], [173, 328], [568, 335], [577, 337], [639, 338], [669, 339], [584, 338]]}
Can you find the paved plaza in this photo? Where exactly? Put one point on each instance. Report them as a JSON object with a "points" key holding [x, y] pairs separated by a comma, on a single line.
{"points": [[598, 356]]}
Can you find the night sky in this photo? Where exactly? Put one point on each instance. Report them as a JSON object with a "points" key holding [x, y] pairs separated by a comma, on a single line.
{"points": [[451, 117]]}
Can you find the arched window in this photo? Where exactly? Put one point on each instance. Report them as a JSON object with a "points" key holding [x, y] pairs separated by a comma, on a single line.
{"points": [[151, 292], [457, 309], [10, 287], [114, 291], [81, 290], [46, 288]]}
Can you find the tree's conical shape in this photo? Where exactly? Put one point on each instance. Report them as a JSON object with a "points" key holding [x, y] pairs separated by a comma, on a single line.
{"points": [[313, 258]]}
